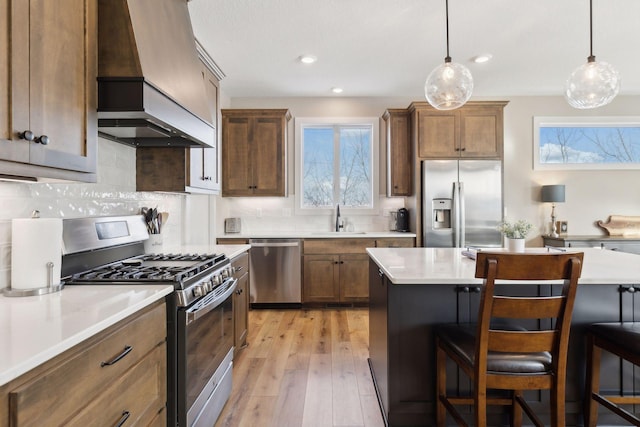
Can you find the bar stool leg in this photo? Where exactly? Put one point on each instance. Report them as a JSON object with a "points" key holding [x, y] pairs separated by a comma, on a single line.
{"points": [[592, 382]]}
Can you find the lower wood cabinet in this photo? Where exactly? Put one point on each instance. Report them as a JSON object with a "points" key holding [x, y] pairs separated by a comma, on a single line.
{"points": [[337, 270], [336, 278], [119, 374], [241, 302]]}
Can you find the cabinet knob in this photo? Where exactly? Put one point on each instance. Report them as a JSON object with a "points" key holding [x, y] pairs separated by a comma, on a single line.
{"points": [[629, 289], [463, 149], [43, 139], [27, 135]]}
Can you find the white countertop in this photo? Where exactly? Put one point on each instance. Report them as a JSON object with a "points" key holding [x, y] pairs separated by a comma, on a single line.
{"points": [[36, 329], [448, 265], [315, 235]]}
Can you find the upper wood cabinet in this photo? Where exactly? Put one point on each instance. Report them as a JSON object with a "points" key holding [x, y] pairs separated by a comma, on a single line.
{"points": [[399, 159], [473, 131], [179, 169], [48, 124], [254, 145]]}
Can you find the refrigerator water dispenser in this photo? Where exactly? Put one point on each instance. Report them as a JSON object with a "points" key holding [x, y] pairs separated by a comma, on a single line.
{"points": [[441, 213]]}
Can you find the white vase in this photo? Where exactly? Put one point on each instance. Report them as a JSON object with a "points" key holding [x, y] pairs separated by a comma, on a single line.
{"points": [[515, 245]]}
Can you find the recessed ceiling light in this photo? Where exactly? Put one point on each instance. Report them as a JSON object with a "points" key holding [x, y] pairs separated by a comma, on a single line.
{"points": [[336, 90], [480, 59], [307, 59]]}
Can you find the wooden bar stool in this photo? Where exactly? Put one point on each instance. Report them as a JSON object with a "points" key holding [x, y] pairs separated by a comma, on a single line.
{"points": [[623, 340], [511, 358]]}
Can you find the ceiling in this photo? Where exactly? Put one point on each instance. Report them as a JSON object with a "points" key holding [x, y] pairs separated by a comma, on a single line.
{"points": [[387, 48]]}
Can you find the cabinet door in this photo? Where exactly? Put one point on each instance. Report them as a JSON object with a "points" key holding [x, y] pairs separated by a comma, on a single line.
{"points": [[321, 278], [438, 134], [354, 278], [399, 158], [241, 312], [203, 168], [236, 157], [267, 144], [481, 132], [53, 68]]}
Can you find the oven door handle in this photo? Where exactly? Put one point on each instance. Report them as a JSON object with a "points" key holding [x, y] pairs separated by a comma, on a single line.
{"points": [[194, 313]]}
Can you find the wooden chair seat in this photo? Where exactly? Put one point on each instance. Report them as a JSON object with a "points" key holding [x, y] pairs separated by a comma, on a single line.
{"points": [[623, 340], [461, 339], [499, 357]]}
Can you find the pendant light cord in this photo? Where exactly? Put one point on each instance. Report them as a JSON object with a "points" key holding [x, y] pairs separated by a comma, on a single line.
{"points": [[591, 57], [448, 58]]}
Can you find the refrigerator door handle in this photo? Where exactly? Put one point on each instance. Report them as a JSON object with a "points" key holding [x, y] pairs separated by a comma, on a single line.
{"points": [[461, 212], [456, 216]]}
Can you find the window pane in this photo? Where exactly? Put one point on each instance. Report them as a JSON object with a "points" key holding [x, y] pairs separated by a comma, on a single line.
{"points": [[355, 166], [317, 169]]}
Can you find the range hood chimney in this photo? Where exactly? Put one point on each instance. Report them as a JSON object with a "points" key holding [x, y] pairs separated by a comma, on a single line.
{"points": [[151, 89]]}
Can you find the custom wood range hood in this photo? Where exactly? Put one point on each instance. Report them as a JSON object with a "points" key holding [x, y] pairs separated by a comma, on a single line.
{"points": [[151, 90]]}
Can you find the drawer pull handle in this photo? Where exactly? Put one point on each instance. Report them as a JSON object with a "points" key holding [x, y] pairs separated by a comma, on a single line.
{"points": [[123, 419], [240, 268], [115, 360]]}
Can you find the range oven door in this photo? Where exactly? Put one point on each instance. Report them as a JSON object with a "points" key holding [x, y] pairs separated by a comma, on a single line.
{"points": [[205, 351]]}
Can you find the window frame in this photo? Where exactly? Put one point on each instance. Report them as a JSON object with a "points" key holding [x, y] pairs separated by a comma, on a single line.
{"points": [[300, 124]]}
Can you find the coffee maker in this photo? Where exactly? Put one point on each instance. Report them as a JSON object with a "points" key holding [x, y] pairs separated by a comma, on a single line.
{"points": [[402, 220]]}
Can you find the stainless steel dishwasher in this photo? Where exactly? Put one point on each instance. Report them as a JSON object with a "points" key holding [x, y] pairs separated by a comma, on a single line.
{"points": [[275, 272]]}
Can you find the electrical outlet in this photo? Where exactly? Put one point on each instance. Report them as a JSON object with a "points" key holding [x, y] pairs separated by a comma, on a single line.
{"points": [[259, 212], [386, 212], [286, 212]]}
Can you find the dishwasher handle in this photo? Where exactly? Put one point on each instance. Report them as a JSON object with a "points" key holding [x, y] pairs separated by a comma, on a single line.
{"points": [[274, 245]]}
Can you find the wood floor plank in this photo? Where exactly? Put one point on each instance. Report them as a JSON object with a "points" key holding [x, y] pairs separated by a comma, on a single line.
{"points": [[302, 345], [318, 402], [259, 409], [260, 345], [270, 377], [346, 398], [371, 411], [321, 338], [289, 408]]}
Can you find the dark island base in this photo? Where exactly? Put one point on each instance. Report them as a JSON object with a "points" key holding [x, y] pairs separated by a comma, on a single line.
{"points": [[402, 347]]}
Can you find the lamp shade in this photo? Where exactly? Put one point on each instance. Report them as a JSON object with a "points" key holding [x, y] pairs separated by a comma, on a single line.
{"points": [[553, 193]]}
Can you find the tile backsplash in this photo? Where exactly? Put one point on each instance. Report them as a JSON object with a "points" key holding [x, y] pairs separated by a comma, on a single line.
{"points": [[114, 194]]}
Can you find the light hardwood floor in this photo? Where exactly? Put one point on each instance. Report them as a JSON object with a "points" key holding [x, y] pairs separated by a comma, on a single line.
{"points": [[304, 368]]}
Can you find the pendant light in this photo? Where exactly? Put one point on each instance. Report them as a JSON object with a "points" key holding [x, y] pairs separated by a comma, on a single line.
{"points": [[449, 85], [593, 84]]}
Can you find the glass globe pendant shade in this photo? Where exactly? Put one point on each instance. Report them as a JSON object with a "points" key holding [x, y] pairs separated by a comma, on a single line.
{"points": [[592, 85], [449, 86]]}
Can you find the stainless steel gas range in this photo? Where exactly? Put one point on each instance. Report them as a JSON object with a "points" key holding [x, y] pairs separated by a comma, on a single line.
{"points": [[109, 250]]}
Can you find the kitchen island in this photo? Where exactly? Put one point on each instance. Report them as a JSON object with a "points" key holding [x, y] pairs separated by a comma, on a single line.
{"points": [[414, 289]]}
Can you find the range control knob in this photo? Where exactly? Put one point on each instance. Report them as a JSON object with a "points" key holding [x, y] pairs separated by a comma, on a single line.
{"points": [[217, 279], [198, 291]]}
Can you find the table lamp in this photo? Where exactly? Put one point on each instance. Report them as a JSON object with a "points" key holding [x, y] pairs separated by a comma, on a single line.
{"points": [[553, 194]]}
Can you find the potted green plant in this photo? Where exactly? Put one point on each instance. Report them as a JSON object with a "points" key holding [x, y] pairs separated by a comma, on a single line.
{"points": [[515, 232]]}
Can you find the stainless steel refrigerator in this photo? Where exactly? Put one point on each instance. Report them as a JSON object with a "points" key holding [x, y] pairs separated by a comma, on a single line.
{"points": [[461, 203]]}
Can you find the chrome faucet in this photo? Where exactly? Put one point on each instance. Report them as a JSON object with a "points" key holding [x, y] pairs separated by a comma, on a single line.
{"points": [[338, 224]]}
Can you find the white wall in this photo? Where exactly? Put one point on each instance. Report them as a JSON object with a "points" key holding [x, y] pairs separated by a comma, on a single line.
{"points": [[590, 195]]}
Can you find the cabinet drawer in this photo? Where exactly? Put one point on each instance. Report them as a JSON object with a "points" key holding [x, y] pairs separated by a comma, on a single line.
{"points": [[75, 382], [139, 395], [241, 264], [337, 246], [401, 242]]}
